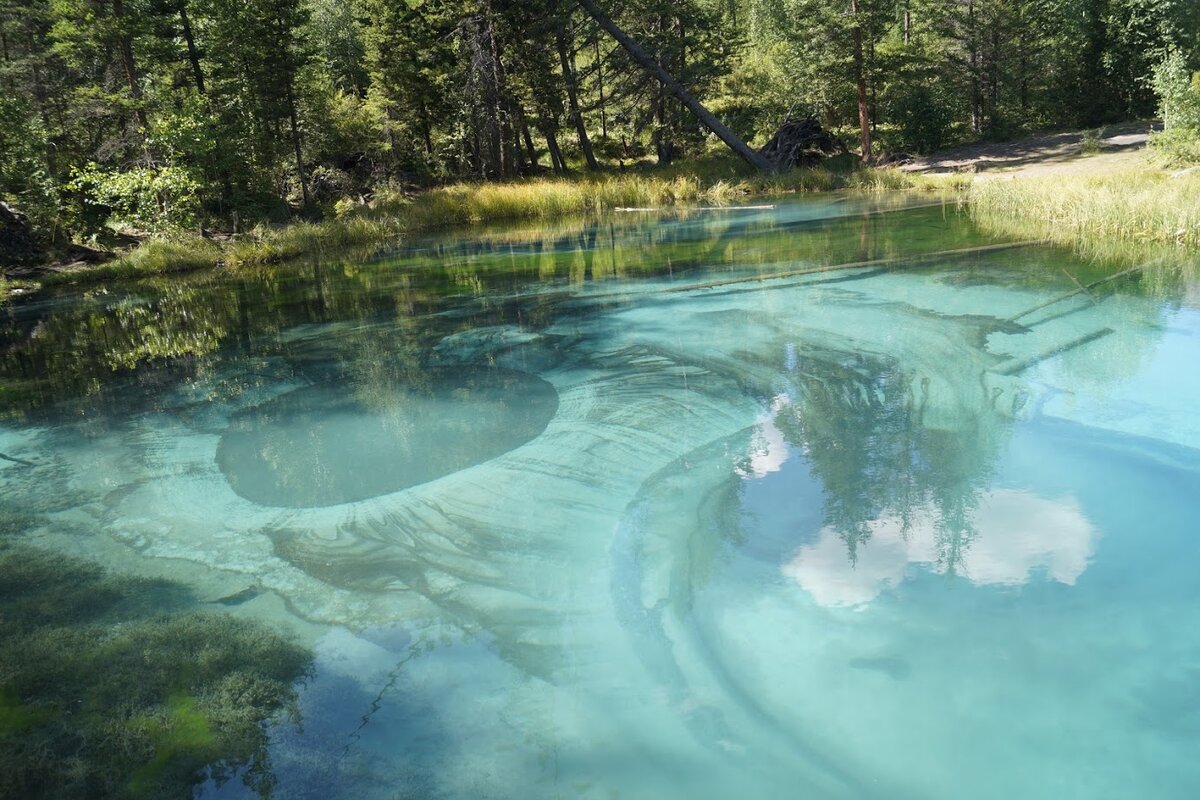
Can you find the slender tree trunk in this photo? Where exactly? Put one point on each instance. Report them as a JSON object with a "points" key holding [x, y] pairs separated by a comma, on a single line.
{"points": [[129, 66], [193, 53], [12, 87], [556, 158], [514, 130], [566, 59], [860, 81], [490, 70], [1023, 80], [498, 91], [973, 68], [600, 88], [291, 101], [528, 138], [40, 102], [874, 96], [389, 128], [663, 147], [426, 127], [647, 62], [994, 75]]}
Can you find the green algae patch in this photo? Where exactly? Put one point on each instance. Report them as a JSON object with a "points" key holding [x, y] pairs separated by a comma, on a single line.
{"points": [[181, 733], [17, 719], [102, 694]]}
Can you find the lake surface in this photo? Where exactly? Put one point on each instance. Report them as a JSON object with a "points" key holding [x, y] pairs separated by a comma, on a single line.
{"points": [[820, 500]]}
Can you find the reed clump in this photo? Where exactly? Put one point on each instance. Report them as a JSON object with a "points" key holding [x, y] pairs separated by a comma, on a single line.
{"points": [[1144, 205]]}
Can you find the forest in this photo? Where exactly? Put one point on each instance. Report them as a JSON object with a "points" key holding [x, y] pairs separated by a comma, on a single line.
{"points": [[151, 116]]}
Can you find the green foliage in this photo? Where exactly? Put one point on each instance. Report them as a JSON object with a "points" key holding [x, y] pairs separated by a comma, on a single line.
{"points": [[1178, 90], [226, 114], [25, 177], [1177, 147], [104, 695], [923, 118], [148, 199]]}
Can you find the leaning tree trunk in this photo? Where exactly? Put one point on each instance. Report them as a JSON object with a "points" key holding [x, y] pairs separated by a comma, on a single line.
{"points": [[193, 53], [648, 63]]}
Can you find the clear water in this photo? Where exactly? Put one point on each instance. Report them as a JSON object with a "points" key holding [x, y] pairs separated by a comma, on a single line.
{"points": [[586, 512]]}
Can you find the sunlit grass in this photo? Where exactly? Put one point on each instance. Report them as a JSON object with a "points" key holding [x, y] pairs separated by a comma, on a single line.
{"points": [[154, 257], [1143, 205], [393, 214], [547, 199]]}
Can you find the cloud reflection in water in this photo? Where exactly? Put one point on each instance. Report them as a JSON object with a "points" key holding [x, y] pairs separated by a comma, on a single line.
{"points": [[1016, 533]]}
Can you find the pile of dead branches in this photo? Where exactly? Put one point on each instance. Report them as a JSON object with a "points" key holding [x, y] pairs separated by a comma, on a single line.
{"points": [[801, 143]]}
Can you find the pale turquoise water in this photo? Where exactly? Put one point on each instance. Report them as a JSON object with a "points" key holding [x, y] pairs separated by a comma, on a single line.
{"points": [[557, 523]]}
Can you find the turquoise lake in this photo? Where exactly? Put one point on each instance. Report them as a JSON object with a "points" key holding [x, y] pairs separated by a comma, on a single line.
{"points": [[842, 498]]}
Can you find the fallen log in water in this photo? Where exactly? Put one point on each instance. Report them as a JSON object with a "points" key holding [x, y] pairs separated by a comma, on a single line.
{"points": [[1080, 290], [21, 461], [877, 262], [1016, 367]]}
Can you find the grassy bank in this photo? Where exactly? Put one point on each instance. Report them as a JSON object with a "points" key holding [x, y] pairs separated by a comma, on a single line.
{"points": [[1092, 212], [393, 214], [1143, 205]]}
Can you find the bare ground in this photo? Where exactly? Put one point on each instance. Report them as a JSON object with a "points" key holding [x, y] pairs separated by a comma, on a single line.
{"points": [[1119, 147]]}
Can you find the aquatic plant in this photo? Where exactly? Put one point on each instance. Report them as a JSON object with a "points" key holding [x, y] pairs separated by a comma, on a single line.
{"points": [[102, 694], [14, 523]]}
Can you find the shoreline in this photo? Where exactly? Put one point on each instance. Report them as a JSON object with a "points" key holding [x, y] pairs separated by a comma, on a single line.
{"points": [[1087, 209], [393, 216]]}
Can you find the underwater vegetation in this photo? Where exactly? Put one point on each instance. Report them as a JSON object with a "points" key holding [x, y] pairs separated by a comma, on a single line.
{"points": [[114, 686]]}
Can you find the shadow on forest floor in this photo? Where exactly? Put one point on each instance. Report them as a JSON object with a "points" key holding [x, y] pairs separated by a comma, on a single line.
{"points": [[1117, 146]]}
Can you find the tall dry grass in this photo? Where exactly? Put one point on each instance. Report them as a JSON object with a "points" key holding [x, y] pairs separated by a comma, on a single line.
{"points": [[1143, 205]]}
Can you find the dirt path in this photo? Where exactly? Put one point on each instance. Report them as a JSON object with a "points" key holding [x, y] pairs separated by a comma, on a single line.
{"points": [[1119, 147]]}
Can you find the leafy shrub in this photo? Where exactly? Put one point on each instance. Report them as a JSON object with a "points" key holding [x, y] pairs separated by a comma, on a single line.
{"points": [[1178, 92], [24, 176], [149, 199], [925, 119]]}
